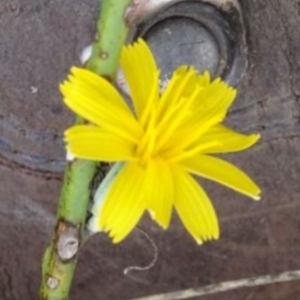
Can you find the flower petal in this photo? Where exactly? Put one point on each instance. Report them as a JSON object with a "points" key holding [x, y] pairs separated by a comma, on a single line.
{"points": [[96, 143], [142, 75], [214, 99], [100, 195], [184, 82], [125, 203], [174, 105], [159, 191], [209, 107], [222, 172], [181, 85], [194, 207], [203, 79], [226, 140], [96, 100]]}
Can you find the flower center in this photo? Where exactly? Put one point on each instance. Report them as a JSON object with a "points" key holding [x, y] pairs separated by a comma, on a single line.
{"points": [[146, 146]]}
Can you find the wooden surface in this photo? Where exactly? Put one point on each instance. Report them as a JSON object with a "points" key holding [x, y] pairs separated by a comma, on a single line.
{"points": [[39, 41]]}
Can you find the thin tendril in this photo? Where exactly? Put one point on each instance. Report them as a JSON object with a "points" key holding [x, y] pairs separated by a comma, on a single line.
{"points": [[153, 261]]}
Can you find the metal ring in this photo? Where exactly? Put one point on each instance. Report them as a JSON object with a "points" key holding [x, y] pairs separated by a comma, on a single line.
{"points": [[223, 18]]}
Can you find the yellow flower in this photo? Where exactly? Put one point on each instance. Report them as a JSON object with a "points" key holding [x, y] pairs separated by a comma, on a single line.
{"points": [[164, 140]]}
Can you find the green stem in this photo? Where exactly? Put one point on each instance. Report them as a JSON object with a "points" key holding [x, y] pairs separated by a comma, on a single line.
{"points": [[107, 49], [59, 260]]}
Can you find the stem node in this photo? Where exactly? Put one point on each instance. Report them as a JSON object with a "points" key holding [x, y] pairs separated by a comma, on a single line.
{"points": [[52, 283]]}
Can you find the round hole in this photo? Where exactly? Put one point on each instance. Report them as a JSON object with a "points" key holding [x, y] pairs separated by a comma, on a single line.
{"points": [[197, 33], [197, 46]]}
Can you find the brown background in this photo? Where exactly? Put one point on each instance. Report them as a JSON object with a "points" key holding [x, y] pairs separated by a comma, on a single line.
{"points": [[39, 41]]}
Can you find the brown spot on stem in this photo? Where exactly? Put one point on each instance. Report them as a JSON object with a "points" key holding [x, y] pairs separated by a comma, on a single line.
{"points": [[103, 55], [67, 240], [97, 36]]}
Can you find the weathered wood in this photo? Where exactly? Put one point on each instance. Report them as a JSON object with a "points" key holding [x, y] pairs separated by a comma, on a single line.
{"points": [[37, 47]]}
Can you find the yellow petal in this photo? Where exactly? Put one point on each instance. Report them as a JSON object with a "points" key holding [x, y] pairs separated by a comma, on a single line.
{"points": [[226, 140], [95, 143], [209, 107], [222, 172], [125, 203], [210, 103], [203, 79], [181, 85], [174, 106], [101, 194], [96, 100], [142, 75], [214, 99], [181, 142], [194, 207], [159, 190]]}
